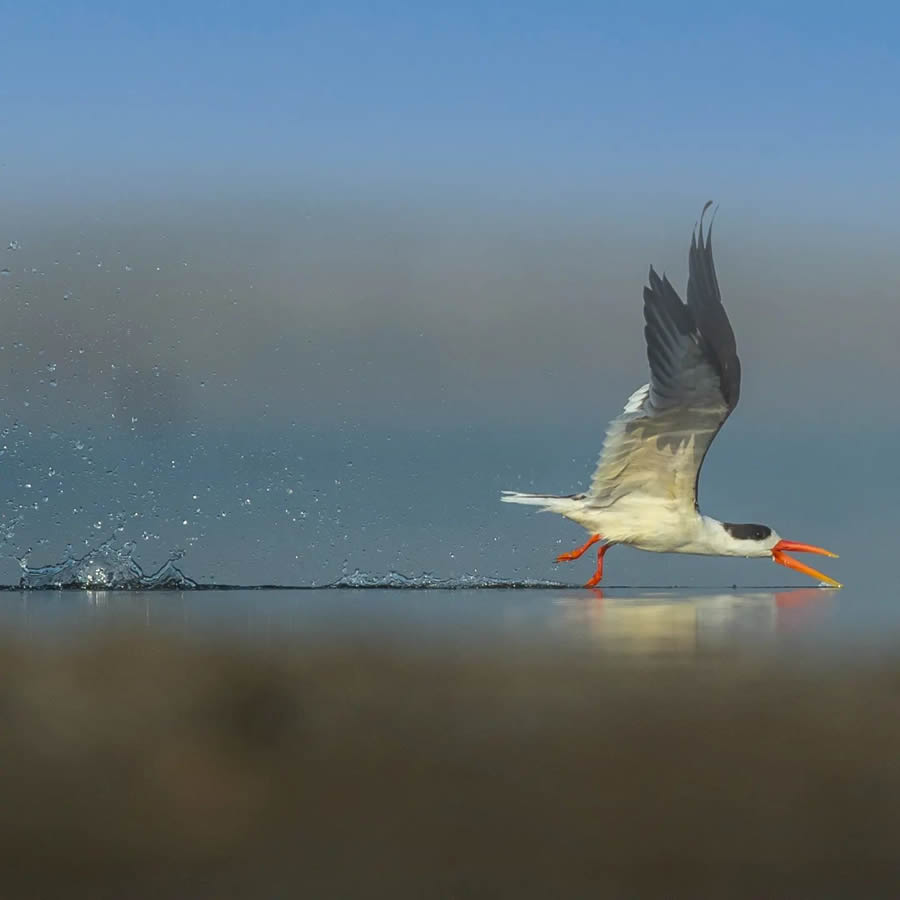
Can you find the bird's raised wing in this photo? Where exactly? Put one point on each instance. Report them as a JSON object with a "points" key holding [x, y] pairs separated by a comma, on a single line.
{"points": [[656, 447]]}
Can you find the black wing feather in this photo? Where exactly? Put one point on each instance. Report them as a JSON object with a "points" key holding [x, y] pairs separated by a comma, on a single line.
{"points": [[705, 303], [656, 447], [695, 373], [669, 334], [681, 337]]}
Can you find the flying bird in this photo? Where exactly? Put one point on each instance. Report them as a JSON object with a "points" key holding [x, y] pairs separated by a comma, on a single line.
{"points": [[644, 489]]}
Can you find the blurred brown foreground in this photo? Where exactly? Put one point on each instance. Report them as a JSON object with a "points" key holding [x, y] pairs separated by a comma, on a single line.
{"points": [[151, 767]]}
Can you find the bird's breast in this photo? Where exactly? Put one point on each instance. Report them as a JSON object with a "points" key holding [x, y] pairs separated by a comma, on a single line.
{"points": [[658, 526]]}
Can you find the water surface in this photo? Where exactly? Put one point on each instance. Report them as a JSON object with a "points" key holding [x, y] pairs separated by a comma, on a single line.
{"points": [[637, 623]]}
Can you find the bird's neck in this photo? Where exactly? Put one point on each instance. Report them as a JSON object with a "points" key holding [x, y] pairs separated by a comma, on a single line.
{"points": [[720, 541], [713, 534]]}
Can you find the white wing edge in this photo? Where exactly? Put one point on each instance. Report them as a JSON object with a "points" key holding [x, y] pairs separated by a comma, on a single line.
{"points": [[636, 400]]}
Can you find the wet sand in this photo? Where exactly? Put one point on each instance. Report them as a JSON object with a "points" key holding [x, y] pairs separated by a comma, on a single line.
{"points": [[137, 765]]}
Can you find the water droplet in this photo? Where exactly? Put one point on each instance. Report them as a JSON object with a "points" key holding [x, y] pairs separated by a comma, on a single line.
{"points": [[5, 272]]}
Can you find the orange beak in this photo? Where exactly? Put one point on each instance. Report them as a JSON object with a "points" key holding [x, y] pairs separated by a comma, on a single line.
{"points": [[783, 559]]}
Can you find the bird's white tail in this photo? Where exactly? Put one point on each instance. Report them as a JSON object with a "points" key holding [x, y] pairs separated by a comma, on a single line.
{"points": [[547, 502]]}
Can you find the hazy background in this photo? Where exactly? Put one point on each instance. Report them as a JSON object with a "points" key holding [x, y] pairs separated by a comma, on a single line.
{"points": [[299, 290]]}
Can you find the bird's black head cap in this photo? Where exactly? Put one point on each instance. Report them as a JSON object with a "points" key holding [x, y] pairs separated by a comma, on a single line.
{"points": [[748, 532]]}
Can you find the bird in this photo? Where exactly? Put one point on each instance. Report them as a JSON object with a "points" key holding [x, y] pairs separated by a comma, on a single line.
{"points": [[644, 490]]}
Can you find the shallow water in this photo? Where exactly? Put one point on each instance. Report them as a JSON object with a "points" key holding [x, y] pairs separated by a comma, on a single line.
{"points": [[638, 623]]}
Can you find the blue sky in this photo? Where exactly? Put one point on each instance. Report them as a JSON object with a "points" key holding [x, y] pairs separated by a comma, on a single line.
{"points": [[663, 98]]}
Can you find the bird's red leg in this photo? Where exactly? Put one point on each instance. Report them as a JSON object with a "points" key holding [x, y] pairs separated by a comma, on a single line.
{"points": [[575, 554], [598, 575]]}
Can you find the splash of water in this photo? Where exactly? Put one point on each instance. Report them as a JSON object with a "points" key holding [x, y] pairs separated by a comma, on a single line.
{"points": [[399, 581], [112, 567], [109, 567]]}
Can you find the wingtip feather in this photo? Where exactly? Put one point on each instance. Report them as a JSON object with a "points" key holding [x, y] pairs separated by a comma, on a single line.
{"points": [[704, 244]]}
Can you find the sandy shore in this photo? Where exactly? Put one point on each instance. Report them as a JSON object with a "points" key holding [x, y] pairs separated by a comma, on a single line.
{"points": [[135, 766]]}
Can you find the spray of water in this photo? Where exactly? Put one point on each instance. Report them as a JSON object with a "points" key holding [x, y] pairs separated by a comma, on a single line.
{"points": [[111, 566]]}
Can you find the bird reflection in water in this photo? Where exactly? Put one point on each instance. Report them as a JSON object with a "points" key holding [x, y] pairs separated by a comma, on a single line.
{"points": [[665, 623]]}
